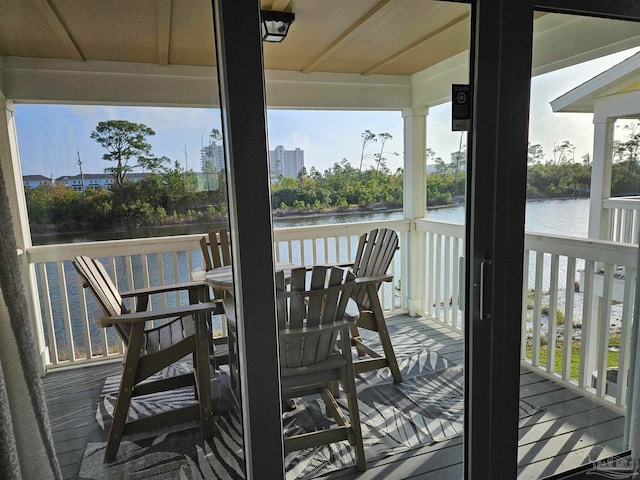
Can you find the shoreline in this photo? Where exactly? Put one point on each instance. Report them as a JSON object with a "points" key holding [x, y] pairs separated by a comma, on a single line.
{"points": [[276, 216]]}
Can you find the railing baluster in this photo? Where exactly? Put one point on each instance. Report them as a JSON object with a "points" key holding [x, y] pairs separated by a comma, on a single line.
{"points": [[568, 318], [66, 315], [84, 319], [525, 299], [553, 314], [430, 284], [176, 275], [537, 309], [604, 327], [326, 251], [48, 314], [437, 280], [402, 262], [314, 252], [160, 263], [628, 226], [128, 262], [586, 342], [456, 284], [447, 278], [610, 215], [113, 272]]}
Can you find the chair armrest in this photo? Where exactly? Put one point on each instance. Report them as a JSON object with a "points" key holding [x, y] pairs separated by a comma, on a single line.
{"points": [[374, 279], [344, 265], [162, 289], [145, 316]]}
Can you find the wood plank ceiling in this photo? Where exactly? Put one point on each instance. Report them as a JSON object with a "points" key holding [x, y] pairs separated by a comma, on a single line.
{"points": [[397, 37]]}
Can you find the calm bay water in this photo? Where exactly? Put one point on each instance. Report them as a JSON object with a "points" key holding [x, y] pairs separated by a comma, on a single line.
{"points": [[567, 217]]}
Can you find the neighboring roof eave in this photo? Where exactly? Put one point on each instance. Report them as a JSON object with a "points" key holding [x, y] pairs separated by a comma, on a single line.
{"points": [[581, 99]]}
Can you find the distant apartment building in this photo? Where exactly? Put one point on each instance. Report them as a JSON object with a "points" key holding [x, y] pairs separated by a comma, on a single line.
{"points": [[92, 181], [35, 181], [287, 163]]}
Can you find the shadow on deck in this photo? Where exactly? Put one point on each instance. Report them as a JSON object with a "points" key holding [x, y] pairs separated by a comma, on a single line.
{"points": [[568, 431]]}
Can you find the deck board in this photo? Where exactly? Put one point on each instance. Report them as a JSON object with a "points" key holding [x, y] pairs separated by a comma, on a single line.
{"points": [[568, 430]]}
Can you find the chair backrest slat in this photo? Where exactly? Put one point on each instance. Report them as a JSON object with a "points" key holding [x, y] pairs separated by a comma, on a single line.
{"points": [[96, 278], [373, 257], [313, 300], [216, 248]]}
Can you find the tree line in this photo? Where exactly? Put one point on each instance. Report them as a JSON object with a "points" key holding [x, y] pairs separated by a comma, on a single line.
{"points": [[170, 195]]}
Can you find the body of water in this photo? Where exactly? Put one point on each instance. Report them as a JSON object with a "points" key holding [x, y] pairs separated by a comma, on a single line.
{"points": [[566, 217]]}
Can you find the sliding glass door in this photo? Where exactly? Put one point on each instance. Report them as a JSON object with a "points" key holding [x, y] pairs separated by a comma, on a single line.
{"points": [[521, 362]]}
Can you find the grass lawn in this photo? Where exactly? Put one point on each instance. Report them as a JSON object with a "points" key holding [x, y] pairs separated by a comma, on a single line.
{"points": [[575, 356]]}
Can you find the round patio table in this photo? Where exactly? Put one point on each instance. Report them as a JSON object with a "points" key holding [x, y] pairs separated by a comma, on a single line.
{"points": [[222, 277]]}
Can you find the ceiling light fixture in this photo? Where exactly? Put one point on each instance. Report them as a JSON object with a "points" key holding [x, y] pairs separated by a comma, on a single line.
{"points": [[275, 25]]}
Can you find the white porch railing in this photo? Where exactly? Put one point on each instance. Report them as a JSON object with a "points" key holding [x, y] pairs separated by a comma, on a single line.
{"points": [[622, 218], [553, 266], [70, 336], [604, 273], [443, 298]]}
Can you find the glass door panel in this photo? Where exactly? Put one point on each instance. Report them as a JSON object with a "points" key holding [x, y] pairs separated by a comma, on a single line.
{"points": [[578, 289]]}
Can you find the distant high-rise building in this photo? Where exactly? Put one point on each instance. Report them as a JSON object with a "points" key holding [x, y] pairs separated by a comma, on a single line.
{"points": [[212, 155], [287, 163]]}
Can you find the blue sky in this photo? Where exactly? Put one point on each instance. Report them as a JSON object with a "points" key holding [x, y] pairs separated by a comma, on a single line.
{"points": [[50, 136]]}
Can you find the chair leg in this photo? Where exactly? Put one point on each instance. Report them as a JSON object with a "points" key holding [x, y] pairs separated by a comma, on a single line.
{"points": [[354, 412], [383, 332], [203, 376], [125, 392]]}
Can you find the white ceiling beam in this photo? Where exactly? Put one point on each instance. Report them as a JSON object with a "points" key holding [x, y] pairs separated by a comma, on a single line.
{"points": [[164, 30], [354, 29], [394, 56], [31, 80], [61, 32]]}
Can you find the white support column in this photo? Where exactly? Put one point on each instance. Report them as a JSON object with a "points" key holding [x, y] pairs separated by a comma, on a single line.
{"points": [[10, 161], [600, 177], [415, 200]]}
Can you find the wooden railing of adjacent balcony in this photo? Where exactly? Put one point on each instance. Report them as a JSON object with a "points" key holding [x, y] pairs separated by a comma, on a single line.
{"points": [[69, 335]]}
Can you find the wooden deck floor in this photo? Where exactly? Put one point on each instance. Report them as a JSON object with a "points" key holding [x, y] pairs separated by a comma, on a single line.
{"points": [[569, 430]]}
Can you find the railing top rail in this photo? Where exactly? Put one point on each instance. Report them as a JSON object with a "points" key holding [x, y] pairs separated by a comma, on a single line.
{"points": [[631, 202], [338, 229], [613, 253], [111, 248], [138, 246], [440, 227]]}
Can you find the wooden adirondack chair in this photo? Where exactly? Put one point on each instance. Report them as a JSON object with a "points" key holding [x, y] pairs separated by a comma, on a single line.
{"points": [[373, 257], [315, 352], [311, 319], [150, 350]]}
